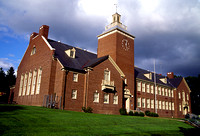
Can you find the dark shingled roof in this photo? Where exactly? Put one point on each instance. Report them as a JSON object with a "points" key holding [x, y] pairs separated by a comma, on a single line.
{"points": [[176, 81], [82, 58]]}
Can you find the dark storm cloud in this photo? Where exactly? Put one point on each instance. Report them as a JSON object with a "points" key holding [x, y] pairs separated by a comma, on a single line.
{"points": [[167, 31]]}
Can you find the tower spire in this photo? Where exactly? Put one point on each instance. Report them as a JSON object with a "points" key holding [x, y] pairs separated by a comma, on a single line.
{"points": [[116, 7]]}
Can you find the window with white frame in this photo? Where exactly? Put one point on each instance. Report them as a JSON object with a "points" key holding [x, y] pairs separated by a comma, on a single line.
{"points": [[33, 82], [159, 104], [38, 81], [33, 50], [148, 103], [115, 99], [187, 97], [166, 105], [147, 88], [21, 85], [170, 108], [183, 96], [163, 92], [138, 102], [152, 104], [25, 84], [143, 102], [172, 93], [96, 97], [163, 105], [152, 89], [138, 86], [179, 95], [166, 92], [107, 75], [106, 98], [156, 104], [188, 108], [159, 90], [180, 108], [74, 94], [75, 77], [169, 92], [29, 83], [143, 87]]}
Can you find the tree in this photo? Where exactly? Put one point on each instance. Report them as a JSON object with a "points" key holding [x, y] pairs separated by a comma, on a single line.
{"points": [[4, 87], [11, 78], [194, 84]]}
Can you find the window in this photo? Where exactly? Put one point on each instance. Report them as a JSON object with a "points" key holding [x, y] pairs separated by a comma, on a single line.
{"points": [[106, 98], [159, 90], [148, 103], [39, 80], [187, 97], [143, 87], [159, 105], [152, 89], [183, 96], [169, 93], [166, 105], [138, 86], [96, 97], [180, 108], [33, 82], [75, 77], [156, 90], [143, 102], [152, 104], [139, 102], [33, 51], [21, 85], [163, 105], [72, 54], [148, 88], [163, 93], [166, 92], [115, 99], [29, 83], [172, 93], [170, 108], [156, 104], [25, 84], [179, 95], [74, 94], [107, 75]]}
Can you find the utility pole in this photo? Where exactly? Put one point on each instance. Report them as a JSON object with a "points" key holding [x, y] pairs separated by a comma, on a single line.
{"points": [[156, 104]]}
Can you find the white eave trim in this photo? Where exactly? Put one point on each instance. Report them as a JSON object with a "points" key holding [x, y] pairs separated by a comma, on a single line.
{"points": [[47, 43]]}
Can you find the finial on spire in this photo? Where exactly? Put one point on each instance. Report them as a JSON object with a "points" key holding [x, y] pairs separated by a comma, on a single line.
{"points": [[116, 7]]}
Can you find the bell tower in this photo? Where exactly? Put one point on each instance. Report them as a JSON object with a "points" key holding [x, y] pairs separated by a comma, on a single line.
{"points": [[119, 44]]}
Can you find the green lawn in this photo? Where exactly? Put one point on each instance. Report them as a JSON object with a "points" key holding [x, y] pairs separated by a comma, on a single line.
{"points": [[31, 120]]}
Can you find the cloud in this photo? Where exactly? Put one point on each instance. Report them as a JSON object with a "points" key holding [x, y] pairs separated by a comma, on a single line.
{"points": [[167, 31], [5, 63]]}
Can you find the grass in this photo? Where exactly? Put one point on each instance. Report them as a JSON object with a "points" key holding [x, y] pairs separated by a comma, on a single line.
{"points": [[31, 120]]}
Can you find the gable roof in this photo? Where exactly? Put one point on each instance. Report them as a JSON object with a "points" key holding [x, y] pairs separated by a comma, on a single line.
{"points": [[82, 57]]}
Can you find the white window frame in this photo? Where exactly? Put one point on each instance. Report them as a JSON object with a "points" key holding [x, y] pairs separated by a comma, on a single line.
{"points": [[143, 87], [143, 103], [106, 75], [39, 77], [179, 95], [152, 92], [115, 99], [74, 94], [180, 107], [172, 93], [138, 86], [152, 104], [163, 91], [21, 85], [159, 90], [183, 96], [166, 105], [148, 88], [29, 83], [138, 102], [148, 103], [163, 105], [33, 82], [75, 77], [187, 97], [170, 106], [33, 51], [96, 97], [159, 104], [166, 92], [106, 99], [25, 84]]}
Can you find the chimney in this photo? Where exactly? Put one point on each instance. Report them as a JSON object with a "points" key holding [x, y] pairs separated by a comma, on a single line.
{"points": [[44, 30], [170, 75]]}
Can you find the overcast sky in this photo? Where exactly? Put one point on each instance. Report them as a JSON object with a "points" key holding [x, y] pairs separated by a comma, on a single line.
{"points": [[165, 30]]}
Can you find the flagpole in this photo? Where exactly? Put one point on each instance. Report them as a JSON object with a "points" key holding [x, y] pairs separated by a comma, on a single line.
{"points": [[155, 85]]}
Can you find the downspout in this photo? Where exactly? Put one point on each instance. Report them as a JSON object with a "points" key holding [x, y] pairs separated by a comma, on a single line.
{"points": [[86, 90], [64, 91]]}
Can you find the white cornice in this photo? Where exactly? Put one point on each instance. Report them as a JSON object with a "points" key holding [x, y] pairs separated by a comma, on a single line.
{"points": [[47, 43]]}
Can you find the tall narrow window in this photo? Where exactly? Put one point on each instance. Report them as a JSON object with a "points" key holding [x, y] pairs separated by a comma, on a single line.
{"points": [[148, 103], [187, 97], [138, 86], [115, 99], [159, 105], [152, 89], [74, 94], [169, 93], [29, 83], [106, 98], [180, 108], [179, 95], [33, 82], [143, 102], [25, 84], [166, 92], [163, 92], [39, 81], [163, 105], [159, 90], [139, 102], [75, 77], [33, 51], [152, 104], [96, 97], [147, 88], [183, 96], [170, 108], [143, 87], [21, 85], [166, 105], [107, 75]]}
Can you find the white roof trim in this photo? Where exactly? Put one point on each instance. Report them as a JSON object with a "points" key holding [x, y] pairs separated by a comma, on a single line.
{"points": [[47, 43]]}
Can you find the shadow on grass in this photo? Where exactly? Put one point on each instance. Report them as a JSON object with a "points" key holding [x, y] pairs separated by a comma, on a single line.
{"points": [[190, 131], [9, 108]]}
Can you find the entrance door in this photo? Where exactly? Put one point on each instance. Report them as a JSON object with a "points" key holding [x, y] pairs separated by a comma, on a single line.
{"points": [[128, 105]]}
